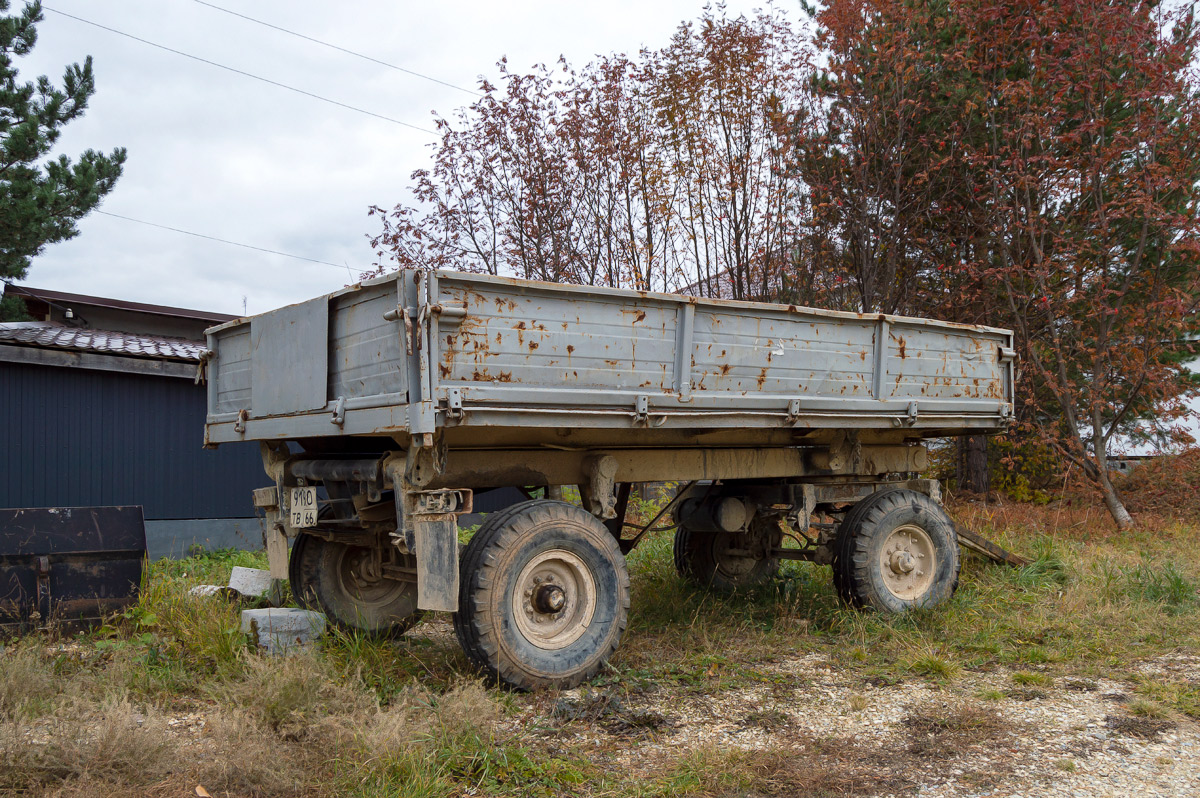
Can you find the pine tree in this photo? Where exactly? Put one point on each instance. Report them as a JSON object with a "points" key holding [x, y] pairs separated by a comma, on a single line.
{"points": [[41, 203]]}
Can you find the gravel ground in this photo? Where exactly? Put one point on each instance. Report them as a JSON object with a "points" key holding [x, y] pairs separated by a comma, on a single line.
{"points": [[1068, 737]]}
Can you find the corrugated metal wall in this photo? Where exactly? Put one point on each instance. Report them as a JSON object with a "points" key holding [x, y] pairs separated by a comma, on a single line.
{"points": [[75, 437]]}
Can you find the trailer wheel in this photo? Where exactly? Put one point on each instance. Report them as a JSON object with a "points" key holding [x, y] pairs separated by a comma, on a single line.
{"points": [[896, 551], [339, 580], [544, 595], [302, 592], [715, 560]]}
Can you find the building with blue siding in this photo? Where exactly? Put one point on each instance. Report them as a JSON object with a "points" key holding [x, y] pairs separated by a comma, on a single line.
{"points": [[99, 406]]}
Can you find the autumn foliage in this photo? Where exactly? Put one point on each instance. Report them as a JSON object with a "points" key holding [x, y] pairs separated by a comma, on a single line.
{"points": [[1029, 164]]}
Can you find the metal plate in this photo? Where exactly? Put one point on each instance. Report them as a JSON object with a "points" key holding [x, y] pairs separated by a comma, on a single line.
{"points": [[290, 353], [302, 507]]}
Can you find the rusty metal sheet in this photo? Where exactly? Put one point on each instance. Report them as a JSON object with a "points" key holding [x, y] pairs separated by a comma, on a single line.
{"points": [[70, 564], [445, 349]]}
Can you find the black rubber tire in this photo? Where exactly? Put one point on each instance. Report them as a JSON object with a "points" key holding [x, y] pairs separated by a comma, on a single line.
{"points": [[494, 559], [857, 571], [850, 520], [302, 593], [317, 567], [697, 558]]}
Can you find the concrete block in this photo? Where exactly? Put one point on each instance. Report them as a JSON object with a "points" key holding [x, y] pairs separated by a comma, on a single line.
{"points": [[279, 630], [250, 581]]}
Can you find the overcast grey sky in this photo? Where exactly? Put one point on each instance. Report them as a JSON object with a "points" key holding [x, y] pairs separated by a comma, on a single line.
{"points": [[224, 155]]}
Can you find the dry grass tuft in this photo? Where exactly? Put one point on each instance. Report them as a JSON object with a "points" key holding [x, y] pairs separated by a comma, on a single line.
{"points": [[820, 769], [419, 715], [1141, 727], [27, 682], [291, 695], [237, 755], [944, 729], [115, 743], [608, 710]]}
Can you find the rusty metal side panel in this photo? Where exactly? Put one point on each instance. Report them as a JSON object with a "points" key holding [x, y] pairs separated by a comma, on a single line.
{"points": [[930, 363], [521, 335], [416, 351], [781, 353], [69, 563]]}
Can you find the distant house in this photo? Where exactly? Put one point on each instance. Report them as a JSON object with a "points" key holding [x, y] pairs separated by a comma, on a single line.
{"points": [[99, 406]]}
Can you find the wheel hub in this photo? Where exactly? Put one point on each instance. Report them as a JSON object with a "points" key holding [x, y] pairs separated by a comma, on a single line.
{"points": [[549, 599], [908, 562], [554, 599], [902, 562], [359, 577]]}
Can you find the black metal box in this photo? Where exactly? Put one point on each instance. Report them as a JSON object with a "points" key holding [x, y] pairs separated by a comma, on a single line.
{"points": [[69, 564]]}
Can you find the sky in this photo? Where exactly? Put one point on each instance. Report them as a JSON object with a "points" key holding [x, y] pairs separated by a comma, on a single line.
{"points": [[224, 155]]}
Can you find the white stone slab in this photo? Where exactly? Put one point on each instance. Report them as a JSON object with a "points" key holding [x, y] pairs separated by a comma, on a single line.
{"points": [[278, 630]]}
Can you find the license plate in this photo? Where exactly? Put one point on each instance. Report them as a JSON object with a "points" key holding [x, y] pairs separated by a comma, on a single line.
{"points": [[303, 508]]}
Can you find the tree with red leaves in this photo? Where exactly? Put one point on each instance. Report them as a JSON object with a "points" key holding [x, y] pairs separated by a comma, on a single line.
{"points": [[1053, 149]]}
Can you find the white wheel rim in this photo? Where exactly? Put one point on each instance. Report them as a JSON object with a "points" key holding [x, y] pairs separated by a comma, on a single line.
{"points": [[554, 599], [908, 562], [360, 582]]}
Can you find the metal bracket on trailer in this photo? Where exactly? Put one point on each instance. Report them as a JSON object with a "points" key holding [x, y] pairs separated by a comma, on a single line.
{"points": [[427, 526]]}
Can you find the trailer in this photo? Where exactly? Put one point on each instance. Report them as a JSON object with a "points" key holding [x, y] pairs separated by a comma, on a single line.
{"points": [[382, 409]]}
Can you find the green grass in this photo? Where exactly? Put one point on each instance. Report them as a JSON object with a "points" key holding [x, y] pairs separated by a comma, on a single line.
{"points": [[369, 717]]}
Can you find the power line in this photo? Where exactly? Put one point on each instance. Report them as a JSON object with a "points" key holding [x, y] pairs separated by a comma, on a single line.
{"points": [[336, 47], [238, 71], [222, 240]]}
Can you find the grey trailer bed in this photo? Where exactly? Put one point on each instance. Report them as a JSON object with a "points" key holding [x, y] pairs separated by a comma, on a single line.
{"points": [[405, 395]]}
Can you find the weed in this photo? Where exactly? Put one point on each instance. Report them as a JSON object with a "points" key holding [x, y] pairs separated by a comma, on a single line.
{"points": [[290, 695], [1028, 679], [811, 768], [1183, 697], [1146, 709], [934, 667], [1153, 583], [27, 685], [1047, 570], [766, 719], [1081, 685], [115, 743], [607, 709]]}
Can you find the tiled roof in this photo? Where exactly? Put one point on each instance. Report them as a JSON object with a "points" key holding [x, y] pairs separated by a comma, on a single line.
{"points": [[109, 342]]}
